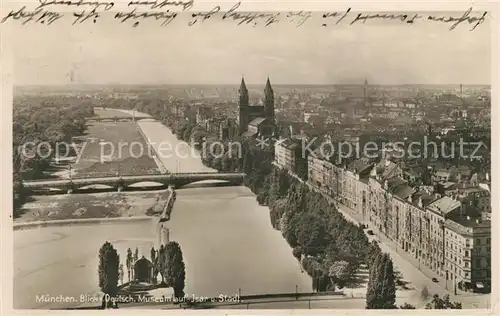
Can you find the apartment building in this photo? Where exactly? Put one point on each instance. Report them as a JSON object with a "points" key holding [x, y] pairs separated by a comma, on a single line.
{"points": [[468, 253], [425, 224], [437, 213], [318, 164], [284, 153]]}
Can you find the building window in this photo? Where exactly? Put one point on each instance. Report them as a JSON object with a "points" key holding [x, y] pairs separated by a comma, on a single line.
{"points": [[466, 274], [466, 253], [488, 241], [466, 264], [478, 241]]}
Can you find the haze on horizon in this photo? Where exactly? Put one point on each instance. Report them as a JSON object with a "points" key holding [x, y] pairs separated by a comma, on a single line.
{"points": [[220, 52]]}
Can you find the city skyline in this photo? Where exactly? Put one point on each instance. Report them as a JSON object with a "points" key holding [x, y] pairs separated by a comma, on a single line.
{"points": [[385, 53]]}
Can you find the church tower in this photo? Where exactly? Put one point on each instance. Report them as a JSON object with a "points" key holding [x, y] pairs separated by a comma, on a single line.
{"points": [[243, 107], [269, 102]]}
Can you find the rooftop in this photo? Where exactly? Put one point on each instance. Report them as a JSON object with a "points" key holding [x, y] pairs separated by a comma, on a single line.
{"points": [[468, 226], [359, 166], [444, 205], [257, 121]]}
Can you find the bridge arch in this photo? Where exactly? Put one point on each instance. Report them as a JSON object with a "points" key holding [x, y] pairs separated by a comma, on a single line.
{"points": [[145, 119], [208, 182], [147, 184], [93, 187]]}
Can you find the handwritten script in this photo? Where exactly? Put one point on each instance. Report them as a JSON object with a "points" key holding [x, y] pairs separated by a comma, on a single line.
{"points": [[50, 11]]}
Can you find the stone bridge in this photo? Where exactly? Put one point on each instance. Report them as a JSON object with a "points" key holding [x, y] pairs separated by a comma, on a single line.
{"points": [[124, 118], [119, 183]]}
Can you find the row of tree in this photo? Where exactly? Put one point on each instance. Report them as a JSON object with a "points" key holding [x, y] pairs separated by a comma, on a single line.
{"points": [[167, 261], [36, 119], [381, 291]]}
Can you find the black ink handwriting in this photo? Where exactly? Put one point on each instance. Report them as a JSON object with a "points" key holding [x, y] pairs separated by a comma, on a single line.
{"points": [[95, 4], [84, 16], [336, 14], [303, 17], [250, 17], [402, 17], [186, 5], [465, 17], [167, 16], [203, 15], [37, 16]]}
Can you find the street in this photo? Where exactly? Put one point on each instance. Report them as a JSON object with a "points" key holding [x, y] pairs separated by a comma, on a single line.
{"points": [[420, 278]]}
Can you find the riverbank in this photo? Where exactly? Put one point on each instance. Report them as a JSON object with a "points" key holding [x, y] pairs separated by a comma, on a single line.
{"points": [[82, 221], [154, 154], [114, 148], [165, 216], [45, 208]]}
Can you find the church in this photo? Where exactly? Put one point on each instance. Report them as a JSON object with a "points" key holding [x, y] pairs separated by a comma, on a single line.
{"points": [[256, 120]]}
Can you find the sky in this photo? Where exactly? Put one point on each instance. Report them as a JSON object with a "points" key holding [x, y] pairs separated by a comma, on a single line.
{"points": [[220, 52]]}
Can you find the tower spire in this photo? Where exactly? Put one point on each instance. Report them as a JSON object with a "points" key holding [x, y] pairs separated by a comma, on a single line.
{"points": [[269, 101], [243, 92], [243, 106]]}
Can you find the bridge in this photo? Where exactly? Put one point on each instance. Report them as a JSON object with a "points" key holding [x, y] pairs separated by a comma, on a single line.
{"points": [[120, 183], [121, 118]]}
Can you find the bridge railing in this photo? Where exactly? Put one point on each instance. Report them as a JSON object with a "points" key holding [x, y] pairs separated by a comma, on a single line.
{"points": [[208, 173], [125, 176]]}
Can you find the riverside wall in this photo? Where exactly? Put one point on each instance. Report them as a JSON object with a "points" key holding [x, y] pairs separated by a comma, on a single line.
{"points": [[165, 216], [158, 162], [80, 221]]}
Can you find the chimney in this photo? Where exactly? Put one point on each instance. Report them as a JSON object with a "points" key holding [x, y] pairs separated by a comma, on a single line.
{"points": [[478, 221], [468, 217], [462, 210]]}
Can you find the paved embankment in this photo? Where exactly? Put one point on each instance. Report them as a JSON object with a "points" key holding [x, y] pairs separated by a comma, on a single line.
{"points": [[81, 221], [154, 153], [169, 205]]}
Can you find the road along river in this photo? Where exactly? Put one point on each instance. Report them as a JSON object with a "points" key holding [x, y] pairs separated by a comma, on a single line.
{"points": [[226, 238]]}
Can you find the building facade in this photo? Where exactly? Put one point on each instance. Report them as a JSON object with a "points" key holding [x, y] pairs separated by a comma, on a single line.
{"points": [[430, 227]]}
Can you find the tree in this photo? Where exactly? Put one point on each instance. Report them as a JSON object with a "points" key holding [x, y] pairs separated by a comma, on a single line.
{"points": [[153, 254], [381, 292], [154, 261], [136, 254], [372, 253], [407, 306], [424, 293], [297, 253], [443, 303], [129, 264], [120, 271], [175, 272], [108, 270], [162, 263], [339, 272]]}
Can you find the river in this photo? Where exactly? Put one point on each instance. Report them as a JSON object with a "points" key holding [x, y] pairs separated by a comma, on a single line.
{"points": [[226, 237]]}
